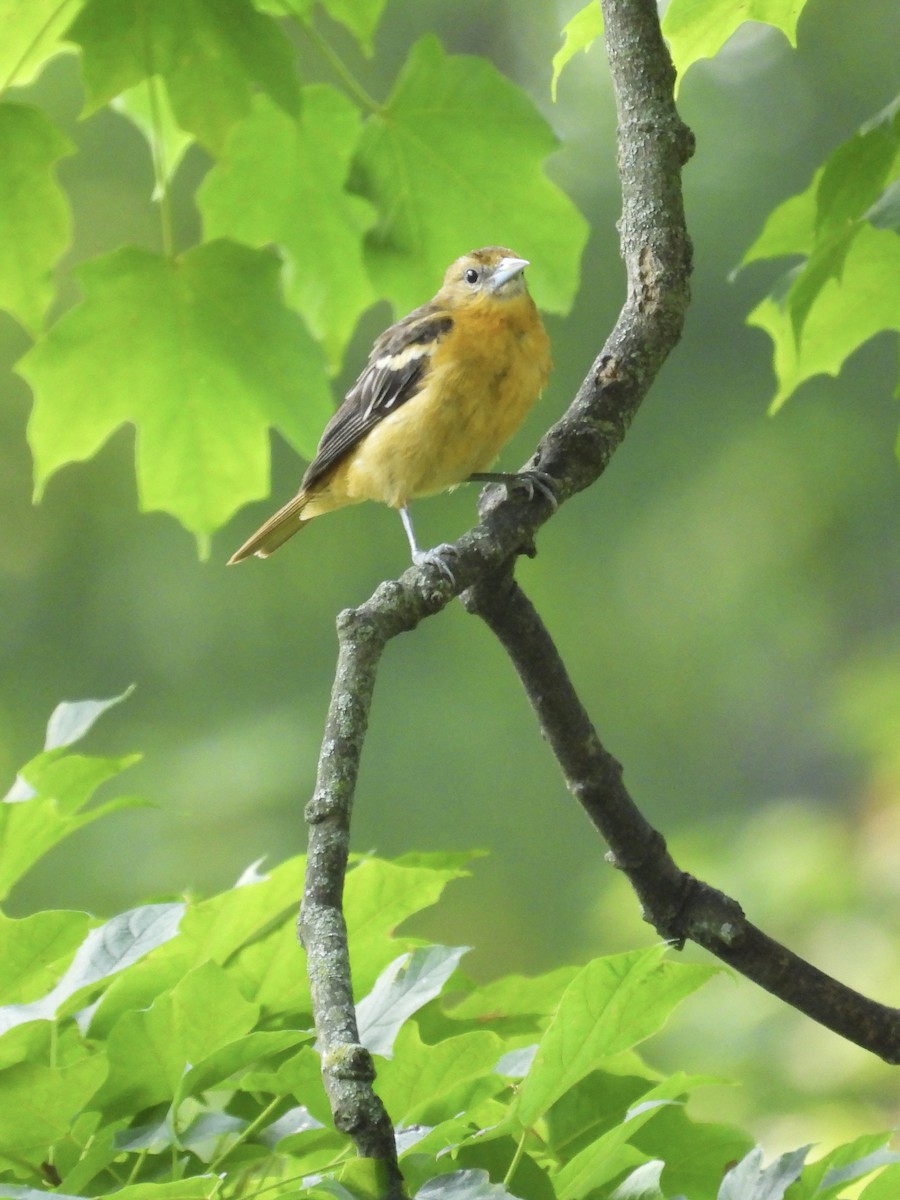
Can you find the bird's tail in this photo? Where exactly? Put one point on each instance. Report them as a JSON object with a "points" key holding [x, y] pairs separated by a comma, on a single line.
{"points": [[279, 527]]}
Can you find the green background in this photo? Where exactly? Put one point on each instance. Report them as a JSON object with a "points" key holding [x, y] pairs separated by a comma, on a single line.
{"points": [[726, 597]]}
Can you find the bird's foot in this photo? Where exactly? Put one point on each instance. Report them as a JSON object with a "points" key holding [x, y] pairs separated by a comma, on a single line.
{"points": [[535, 481], [437, 557], [528, 482]]}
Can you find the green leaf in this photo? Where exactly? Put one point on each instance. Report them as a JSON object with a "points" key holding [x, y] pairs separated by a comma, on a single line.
{"points": [[37, 1103], [850, 183], [105, 951], [453, 162], [361, 17], [579, 33], [222, 929], [147, 106], [610, 1006], [515, 995], [606, 1156], [31, 950], [212, 54], [885, 212], [885, 1187], [420, 1075], [827, 1177], [44, 807], [789, 228], [847, 312], [591, 1108], [379, 896], [35, 223], [150, 1050], [855, 175], [234, 1058], [201, 354], [196, 1187], [850, 192], [695, 1154], [405, 986], [301, 1076], [282, 180], [698, 29], [31, 37]]}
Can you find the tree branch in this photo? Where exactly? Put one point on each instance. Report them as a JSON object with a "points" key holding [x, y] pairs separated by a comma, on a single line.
{"points": [[653, 147], [675, 903]]}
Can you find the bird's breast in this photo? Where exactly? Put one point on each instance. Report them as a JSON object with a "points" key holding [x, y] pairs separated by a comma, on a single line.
{"points": [[480, 385]]}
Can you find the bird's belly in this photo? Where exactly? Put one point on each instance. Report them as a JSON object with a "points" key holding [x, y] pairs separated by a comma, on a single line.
{"points": [[452, 428]]}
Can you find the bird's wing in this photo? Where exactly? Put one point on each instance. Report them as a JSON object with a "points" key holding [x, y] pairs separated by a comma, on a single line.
{"points": [[393, 375]]}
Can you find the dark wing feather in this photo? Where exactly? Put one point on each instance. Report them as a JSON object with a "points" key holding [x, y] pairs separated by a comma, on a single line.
{"points": [[393, 375]]}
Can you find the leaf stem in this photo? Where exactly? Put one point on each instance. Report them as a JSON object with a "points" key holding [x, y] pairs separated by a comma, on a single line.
{"points": [[246, 1132], [516, 1159], [139, 1160], [334, 60], [31, 47], [160, 175], [340, 68]]}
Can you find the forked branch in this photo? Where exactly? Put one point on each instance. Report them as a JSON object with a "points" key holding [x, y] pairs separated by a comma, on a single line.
{"points": [[653, 146]]}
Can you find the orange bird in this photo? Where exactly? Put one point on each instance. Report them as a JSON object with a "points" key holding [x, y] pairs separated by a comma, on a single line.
{"points": [[444, 389]]}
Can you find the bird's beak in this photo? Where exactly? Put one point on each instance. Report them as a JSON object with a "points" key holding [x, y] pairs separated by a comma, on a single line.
{"points": [[506, 269]]}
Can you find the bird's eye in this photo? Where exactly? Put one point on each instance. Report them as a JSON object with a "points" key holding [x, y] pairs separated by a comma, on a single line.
{"points": [[471, 276]]}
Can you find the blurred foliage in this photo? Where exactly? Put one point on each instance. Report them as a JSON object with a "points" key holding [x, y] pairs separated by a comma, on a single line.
{"points": [[726, 598], [168, 1052]]}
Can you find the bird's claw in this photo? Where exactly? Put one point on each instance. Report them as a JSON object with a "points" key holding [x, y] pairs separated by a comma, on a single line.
{"points": [[535, 481], [437, 557]]}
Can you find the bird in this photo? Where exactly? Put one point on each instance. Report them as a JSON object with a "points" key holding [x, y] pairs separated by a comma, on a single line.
{"points": [[443, 390]]}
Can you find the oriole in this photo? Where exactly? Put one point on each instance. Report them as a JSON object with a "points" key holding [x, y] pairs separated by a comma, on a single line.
{"points": [[443, 390]]}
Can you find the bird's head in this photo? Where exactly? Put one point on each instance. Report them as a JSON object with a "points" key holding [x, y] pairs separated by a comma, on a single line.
{"points": [[492, 272]]}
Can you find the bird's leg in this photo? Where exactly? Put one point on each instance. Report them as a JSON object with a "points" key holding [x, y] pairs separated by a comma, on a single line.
{"points": [[526, 481], [434, 558]]}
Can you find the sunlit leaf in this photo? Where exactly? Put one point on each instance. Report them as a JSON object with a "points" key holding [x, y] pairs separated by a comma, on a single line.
{"points": [[420, 1074], [147, 105], [38, 1101], [607, 1155], [378, 896], [456, 161], [610, 1006], [201, 355], [211, 53], [30, 949], [282, 180], [698, 29], [885, 1187], [197, 1187], [30, 35], [105, 951], [150, 1050], [46, 804], [361, 17], [847, 312], [516, 995], [579, 33], [827, 1177], [35, 224]]}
